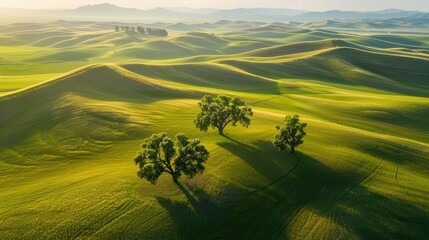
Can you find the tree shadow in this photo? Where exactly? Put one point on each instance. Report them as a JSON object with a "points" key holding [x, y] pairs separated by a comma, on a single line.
{"points": [[201, 202], [310, 198], [255, 156], [198, 216], [315, 191]]}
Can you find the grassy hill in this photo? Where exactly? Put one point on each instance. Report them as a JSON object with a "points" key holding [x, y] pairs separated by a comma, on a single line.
{"points": [[71, 124]]}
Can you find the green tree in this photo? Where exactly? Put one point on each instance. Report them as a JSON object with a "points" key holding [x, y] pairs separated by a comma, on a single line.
{"points": [[140, 30], [164, 33], [291, 134], [160, 155], [218, 112]]}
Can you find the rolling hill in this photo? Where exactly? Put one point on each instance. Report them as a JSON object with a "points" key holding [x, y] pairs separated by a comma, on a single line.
{"points": [[71, 124], [350, 15]]}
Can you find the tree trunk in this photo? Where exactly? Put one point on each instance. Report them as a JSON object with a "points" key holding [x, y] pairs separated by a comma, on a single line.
{"points": [[220, 130], [174, 177], [292, 149]]}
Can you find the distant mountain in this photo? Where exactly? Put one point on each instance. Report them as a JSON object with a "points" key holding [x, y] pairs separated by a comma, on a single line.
{"points": [[237, 13], [349, 15], [105, 9], [395, 11], [164, 13], [256, 13], [111, 10], [284, 15], [198, 11]]}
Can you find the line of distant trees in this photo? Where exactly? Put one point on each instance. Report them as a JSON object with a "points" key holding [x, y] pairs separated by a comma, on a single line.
{"points": [[150, 31]]}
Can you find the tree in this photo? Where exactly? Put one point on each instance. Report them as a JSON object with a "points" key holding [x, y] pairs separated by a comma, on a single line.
{"points": [[140, 29], [291, 134], [160, 155], [163, 32], [220, 111], [117, 28], [156, 32]]}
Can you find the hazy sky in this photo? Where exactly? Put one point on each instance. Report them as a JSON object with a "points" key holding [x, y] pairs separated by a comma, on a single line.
{"points": [[315, 5]]}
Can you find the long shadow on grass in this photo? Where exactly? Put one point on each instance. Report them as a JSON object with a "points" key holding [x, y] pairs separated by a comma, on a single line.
{"points": [[318, 197], [313, 199], [262, 156], [196, 217], [329, 201]]}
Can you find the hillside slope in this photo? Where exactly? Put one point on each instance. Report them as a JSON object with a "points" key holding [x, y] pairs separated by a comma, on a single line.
{"points": [[68, 139]]}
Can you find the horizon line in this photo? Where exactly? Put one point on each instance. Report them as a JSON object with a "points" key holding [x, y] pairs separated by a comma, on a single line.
{"points": [[192, 8]]}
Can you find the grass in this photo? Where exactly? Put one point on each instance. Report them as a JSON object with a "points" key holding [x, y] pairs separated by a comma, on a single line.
{"points": [[69, 129], [12, 83]]}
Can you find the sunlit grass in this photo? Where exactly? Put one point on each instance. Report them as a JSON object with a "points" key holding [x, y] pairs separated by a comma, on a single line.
{"points": [[67, 145]]}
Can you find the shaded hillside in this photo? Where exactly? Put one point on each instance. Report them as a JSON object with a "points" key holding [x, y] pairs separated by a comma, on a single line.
{"points": [[206, 75], [348, 66], [62, 101]]}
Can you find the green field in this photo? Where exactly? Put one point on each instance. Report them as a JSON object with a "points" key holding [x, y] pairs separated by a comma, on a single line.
{"points": [[77, 99]]}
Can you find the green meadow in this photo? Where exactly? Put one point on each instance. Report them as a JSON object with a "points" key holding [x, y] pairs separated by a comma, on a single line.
{"points": [[77, 99]]}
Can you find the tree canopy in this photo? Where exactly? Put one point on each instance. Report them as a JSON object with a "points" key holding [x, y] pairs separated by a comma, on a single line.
{"points": [[161, 154], [290, 134], [218, 112]]}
